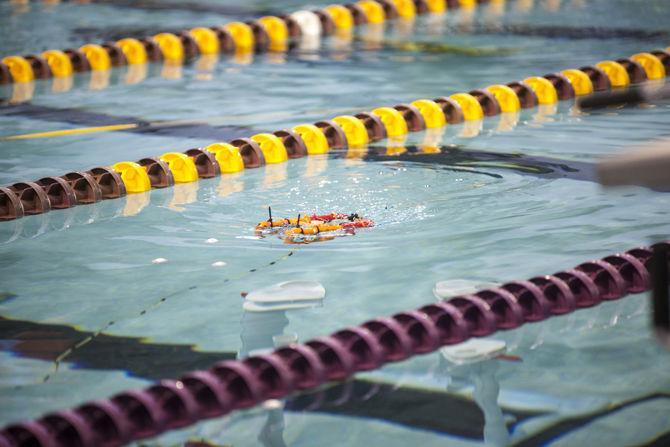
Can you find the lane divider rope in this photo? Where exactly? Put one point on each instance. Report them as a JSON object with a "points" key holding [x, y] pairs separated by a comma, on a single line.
{"points": [[238, 384], [346, 132], [237, 40], [265, 34]]}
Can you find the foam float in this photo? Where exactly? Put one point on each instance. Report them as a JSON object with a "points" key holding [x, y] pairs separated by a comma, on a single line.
{"points": [[285, 295]]}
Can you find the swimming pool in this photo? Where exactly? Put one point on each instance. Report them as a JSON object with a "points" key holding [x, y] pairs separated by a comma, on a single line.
{"points": [[156, 278]]}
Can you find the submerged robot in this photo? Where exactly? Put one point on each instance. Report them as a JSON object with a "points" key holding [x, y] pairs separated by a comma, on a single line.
{"points": [[314, 228]]}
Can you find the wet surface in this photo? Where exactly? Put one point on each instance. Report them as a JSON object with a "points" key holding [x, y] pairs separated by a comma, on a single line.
{"points": [[145, 287]]}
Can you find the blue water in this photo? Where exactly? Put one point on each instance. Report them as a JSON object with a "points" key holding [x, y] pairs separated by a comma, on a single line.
{"points": [[598, 371]]}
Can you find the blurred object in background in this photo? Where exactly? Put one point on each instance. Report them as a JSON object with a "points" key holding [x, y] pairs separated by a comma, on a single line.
{"points": [[647, 92], [647, 166]]}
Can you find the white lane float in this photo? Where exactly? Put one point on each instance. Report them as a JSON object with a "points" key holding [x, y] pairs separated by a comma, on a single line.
{"points": [[454, 287], [285, 295]]}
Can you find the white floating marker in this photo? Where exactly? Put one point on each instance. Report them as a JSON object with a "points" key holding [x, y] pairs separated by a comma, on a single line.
{"points": [[284, 339], [211, 240], [272, 404], [250, 306], [309, 23], [474, 350], [285, 296], [219, 264], [159, 261], [310, 32], [455, 287], [288, 291]]}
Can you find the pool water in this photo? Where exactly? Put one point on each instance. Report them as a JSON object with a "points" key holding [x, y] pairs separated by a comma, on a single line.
{"points": [[149, 286]]}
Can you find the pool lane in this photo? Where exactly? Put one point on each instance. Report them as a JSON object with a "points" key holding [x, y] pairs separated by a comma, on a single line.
{"points": [[155, 361], [452, 158], [490, 148], [83, 119], [481, 232], [281, 93], [360, 398], [365, 42]]}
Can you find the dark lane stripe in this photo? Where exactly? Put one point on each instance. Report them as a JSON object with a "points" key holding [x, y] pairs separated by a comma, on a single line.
{"points": [[570, 33], [239, 9], [661, 441], [458, 158], [80, 117], [412, 407], [153, 361], [572, 424]]}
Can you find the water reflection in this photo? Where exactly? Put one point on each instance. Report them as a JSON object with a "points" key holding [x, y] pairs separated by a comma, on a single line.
{"points": [[486, 388], [263, 330], [61, 220]]}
